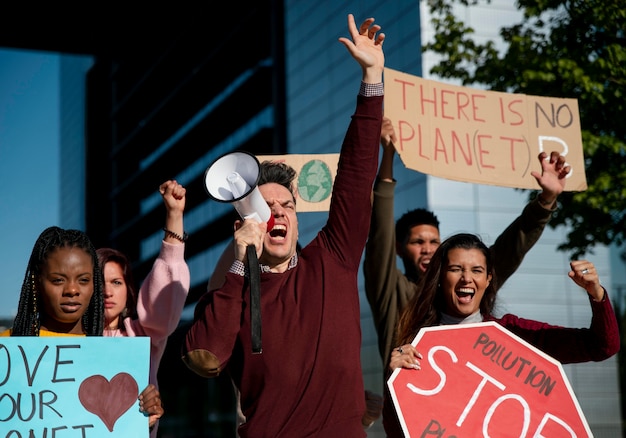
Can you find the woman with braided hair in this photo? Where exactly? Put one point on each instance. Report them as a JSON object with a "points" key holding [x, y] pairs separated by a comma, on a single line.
{"points": [[62, 296], [43, 309]]}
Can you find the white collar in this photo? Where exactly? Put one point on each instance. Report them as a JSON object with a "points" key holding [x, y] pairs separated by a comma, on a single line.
{"points": [[450, 320]]}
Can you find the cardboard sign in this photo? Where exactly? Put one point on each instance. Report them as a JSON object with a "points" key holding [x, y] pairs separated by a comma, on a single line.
{"points": [[482, 380], [480, 136], [315, 178], [73, 386]]}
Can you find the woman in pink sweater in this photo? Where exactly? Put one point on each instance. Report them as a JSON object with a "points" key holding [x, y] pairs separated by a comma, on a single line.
{"points": [[155, 311]]}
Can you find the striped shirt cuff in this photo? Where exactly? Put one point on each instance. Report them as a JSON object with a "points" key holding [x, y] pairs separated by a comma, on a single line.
{"points": [[238, 267], [371, 90]]}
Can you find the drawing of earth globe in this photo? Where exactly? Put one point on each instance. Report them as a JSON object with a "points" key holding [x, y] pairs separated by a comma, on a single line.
{"points": [[315, 182]]}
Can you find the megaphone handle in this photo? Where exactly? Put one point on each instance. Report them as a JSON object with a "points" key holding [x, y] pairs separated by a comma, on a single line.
{"points": [[255, 298]]}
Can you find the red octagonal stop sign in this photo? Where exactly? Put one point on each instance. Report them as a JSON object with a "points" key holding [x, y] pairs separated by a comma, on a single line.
{"points": [[482, 380]]}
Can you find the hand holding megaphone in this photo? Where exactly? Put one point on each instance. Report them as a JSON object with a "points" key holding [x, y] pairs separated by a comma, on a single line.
{"points": [[233, 178]]}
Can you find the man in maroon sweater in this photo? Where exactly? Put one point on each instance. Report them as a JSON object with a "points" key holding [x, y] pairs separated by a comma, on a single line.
{"points": [[307, 381]]}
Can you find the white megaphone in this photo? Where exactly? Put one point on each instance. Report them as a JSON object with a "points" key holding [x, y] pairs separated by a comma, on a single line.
{"points": [[233, 178]]}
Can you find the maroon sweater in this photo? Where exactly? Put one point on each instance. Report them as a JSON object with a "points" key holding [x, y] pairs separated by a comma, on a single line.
{"points": [[567, 345], [307, 382]]}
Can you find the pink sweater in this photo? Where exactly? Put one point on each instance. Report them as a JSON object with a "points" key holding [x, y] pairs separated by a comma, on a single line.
{"points": [[160, 303]]}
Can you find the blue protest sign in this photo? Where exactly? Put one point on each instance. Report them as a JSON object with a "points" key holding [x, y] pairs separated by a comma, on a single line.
{"points": [[84, 387]]}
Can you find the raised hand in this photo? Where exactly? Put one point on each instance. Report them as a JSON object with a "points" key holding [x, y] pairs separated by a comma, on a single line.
{"points": [[366, 48], [173, 195], [387, 134], [553, 175], [585, 275]]}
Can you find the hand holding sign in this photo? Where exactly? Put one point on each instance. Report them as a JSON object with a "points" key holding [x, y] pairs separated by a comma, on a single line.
{"points": [[551, 179]]}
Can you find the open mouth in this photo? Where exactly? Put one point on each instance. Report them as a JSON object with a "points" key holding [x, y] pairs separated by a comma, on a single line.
{"points": [[465, 295], [279, 231]]}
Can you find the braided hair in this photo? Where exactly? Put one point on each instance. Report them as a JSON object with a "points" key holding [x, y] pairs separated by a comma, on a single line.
{"points": [[27, 321]]}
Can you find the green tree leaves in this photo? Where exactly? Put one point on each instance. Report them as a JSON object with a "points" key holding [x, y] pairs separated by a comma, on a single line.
{"points": [[572, 49]]}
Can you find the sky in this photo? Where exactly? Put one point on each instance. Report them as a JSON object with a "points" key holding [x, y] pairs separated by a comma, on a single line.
{"points": [[29, 162]]}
